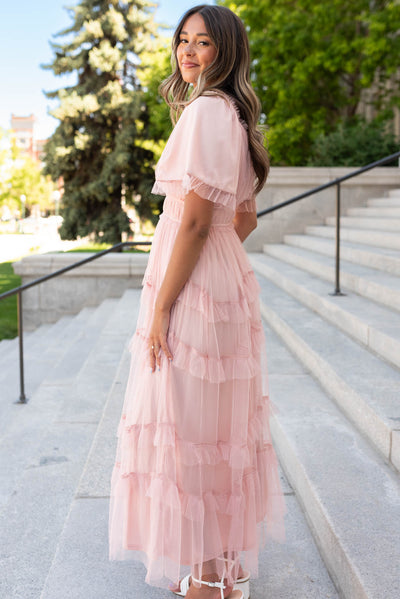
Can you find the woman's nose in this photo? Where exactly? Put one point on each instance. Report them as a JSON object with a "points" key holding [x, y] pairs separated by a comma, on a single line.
{"points": [[189, 49]]}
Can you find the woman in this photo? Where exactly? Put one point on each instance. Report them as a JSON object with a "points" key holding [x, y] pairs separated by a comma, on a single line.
{"points": [[195, 487]]}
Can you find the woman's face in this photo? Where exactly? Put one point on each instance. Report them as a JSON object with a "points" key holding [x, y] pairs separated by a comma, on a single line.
{"points": [[195, 50]]}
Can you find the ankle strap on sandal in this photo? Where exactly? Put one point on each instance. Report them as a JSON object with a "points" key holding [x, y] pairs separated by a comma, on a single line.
{"points": [[219, 585]]}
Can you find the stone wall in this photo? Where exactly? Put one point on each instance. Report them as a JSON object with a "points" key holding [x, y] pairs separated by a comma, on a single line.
{"points": [[87, 285], [286, 182]]}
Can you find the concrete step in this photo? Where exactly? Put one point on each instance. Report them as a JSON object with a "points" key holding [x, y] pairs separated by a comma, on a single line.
{"points": [[350, 496], [379, 258], [8, 346], [34, 342], [376, 224], [376, 327], [70, 411], [10, 352], [83, 546], [372, 212], [385, 202], [371, 238], [364, 386], [378, 286], [30, 422], [39, 358], [394, 193]]}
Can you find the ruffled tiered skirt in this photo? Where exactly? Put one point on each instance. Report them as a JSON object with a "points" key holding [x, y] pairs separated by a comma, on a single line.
{"points": [[196, 476]]}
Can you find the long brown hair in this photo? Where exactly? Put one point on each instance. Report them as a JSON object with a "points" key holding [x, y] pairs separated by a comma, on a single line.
{"points": [[228, 74]]}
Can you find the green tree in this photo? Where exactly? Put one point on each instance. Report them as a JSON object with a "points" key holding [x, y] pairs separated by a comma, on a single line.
{"points": [[155, 67], [98, 147], [311, 61], [22, 176]]}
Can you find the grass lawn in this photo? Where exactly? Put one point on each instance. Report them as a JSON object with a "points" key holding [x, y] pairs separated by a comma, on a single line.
{"points": [[8, 306]]}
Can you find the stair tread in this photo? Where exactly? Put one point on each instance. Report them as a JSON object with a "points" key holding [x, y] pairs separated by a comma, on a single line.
{"points": [[330, 243], [357, 494], [42, 339], [387, 203], [368, 237], [371, 377], [374, 224], [376, 315], [36, 365], [383, 279], [374, 211], [374, 325]]}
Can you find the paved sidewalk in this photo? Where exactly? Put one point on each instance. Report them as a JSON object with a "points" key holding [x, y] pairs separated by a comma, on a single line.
{"points": [[14, 247]]}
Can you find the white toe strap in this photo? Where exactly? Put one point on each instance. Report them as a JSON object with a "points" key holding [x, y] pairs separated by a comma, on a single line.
{"points": [[185, 584]]}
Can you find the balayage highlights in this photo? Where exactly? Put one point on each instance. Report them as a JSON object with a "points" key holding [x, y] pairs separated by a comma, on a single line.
{"points": [[228, 74]]}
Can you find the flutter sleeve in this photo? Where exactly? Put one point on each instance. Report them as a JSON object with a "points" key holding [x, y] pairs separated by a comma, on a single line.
{"points": [[204, 153]]}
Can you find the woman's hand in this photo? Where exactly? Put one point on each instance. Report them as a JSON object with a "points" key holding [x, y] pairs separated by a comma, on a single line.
{"points": [[158, 337]]}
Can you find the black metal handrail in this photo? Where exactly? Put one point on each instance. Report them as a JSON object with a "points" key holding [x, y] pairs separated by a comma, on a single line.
{"points": [[19, 290], [337, 183]]}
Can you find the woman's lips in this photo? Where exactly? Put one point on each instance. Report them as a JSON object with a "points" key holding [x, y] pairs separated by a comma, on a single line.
{"points": [[188, 65]]}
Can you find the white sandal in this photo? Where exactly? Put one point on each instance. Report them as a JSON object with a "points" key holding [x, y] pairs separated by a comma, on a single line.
{"points": [[242, 585], [220, 585], [183, 586]]}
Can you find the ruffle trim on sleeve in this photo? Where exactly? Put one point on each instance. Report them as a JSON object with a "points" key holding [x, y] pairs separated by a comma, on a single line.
{"points": [[189, 183], [247, 206]]}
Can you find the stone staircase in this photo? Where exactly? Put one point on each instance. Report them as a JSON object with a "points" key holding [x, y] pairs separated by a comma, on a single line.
{"points": [[335, 383], [56, 456]]}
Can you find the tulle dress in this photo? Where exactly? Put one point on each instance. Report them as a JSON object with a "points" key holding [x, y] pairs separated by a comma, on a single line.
{"points": [[195, 476]]}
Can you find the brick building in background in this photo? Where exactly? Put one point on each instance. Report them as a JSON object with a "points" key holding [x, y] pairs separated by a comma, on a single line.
{"points": [[24, 131]]}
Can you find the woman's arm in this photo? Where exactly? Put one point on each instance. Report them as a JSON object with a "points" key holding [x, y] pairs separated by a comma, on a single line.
{"points": [[245, 223], [191, 237]]}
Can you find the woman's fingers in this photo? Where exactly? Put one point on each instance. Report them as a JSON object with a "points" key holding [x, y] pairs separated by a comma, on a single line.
{"points": [[155, 351], [165, 349], [152, 357]]}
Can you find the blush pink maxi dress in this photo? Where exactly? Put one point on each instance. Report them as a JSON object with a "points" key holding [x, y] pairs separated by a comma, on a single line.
{"points": [[195, 476]]}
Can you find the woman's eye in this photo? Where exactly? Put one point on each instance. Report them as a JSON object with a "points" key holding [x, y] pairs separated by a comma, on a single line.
{"points": [[200, 43]]}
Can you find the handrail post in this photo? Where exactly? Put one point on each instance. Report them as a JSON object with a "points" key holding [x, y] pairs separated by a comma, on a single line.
{"points": [[22, 397], [337, 290]]}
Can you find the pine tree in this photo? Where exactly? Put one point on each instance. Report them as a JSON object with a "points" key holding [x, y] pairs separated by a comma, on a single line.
{"points": [[98, 147]]}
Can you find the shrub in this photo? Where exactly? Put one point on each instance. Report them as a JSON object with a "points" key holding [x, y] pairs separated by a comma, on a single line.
{"points": [[354, 143]]}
